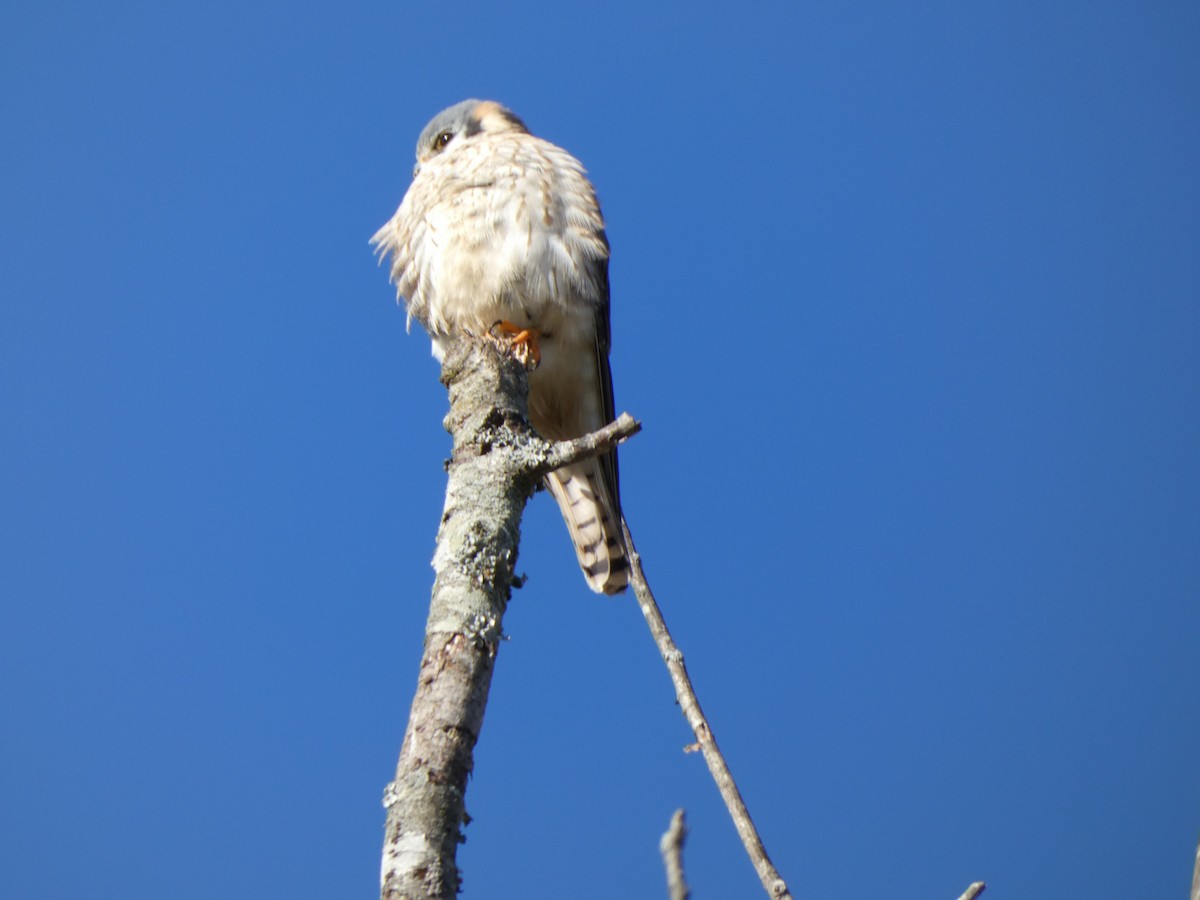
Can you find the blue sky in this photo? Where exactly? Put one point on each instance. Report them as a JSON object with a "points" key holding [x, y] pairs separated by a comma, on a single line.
{"points": [[908, 299]]}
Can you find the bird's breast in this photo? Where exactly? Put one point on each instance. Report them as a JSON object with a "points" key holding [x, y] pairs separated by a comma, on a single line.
{"points": [[510, 233]]}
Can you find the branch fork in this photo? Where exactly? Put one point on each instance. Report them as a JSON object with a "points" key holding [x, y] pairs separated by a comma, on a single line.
{"points": [[496, 464]]}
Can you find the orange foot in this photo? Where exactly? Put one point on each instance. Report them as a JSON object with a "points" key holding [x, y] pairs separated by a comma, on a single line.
{"points": [[522, 343]]}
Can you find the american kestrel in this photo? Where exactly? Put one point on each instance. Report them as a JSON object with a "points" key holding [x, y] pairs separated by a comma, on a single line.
{"points": [[499, 226]]}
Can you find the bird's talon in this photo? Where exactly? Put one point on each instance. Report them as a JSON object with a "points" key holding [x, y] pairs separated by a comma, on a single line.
{"points": [[522, 343]]}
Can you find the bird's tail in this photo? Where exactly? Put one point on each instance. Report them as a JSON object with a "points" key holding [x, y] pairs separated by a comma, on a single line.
{"points": [[593, 519]]}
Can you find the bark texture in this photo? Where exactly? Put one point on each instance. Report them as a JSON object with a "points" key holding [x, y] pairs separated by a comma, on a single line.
{"points": [[497, 462], [473, 565]]}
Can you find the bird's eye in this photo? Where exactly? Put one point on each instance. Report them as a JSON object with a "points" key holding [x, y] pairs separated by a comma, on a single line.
{"points": [[440, 142]]}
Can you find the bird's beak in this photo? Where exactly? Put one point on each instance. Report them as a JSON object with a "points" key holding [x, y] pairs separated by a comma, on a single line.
{"points": [[416, 170]]}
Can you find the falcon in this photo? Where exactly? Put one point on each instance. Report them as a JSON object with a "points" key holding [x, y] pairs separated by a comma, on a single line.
{"points": [[501, 229]]}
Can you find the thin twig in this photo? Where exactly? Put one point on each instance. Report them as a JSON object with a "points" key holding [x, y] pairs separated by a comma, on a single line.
{"points": [[1196, 876], [771, 880], [973, 891], [563, 453], [671, 848]]}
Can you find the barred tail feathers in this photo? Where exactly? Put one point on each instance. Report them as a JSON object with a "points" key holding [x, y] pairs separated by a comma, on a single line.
{"points": [[594, 524]]}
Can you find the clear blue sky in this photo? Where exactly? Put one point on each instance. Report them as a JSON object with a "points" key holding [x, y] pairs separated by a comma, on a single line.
{"points": [[908, 299]]}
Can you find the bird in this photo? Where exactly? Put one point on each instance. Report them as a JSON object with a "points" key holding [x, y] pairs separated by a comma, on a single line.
{"points": [[500, 227]]}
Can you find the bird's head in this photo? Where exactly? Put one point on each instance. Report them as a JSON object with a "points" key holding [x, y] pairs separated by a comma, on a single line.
{"points": [[461, 121]]}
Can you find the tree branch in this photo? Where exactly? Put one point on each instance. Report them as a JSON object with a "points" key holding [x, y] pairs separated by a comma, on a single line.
{"points": [[671, 848], [771, 880], [496, 462], [1196, 876], [973, 891], [476, 551], [563, 453]]}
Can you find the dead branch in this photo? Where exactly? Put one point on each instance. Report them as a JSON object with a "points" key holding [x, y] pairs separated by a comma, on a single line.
{"points": [[771, 880], [496, 463], [671, 848], [1196, 875], [563, 453]]}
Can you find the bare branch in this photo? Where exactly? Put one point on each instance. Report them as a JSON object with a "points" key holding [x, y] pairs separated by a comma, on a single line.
{"points": [[671, 848], [476, 550], [564, 453], [973, 891], [496, 462], [771, 880], [1196, 876]]}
